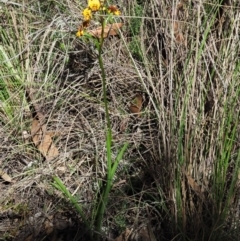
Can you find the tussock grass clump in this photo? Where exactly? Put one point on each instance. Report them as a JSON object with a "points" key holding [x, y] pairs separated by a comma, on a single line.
{"points": [[193, 91]]}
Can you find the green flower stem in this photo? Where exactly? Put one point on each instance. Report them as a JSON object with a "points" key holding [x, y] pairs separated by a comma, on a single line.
{"points": [[111, 165], [100, 60], [107, 188]]}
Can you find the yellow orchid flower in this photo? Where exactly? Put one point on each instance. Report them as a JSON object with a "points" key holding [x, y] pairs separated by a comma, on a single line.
{"points": [[87, 14], [94, 5]]}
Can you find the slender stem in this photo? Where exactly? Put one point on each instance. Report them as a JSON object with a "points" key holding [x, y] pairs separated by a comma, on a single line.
{"points": [[105, 95], [111, 166], [100, 60], [104, 86], [107, 188]]}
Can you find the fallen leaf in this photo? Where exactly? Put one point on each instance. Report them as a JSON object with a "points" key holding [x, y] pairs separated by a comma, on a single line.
{"points": [[180, 38], [54, 133], [123, 125], [124, 235], [178, 33], [41, 138], [5, 176], [43, 141], [136, 105], [195, 187], [175, 27], [109, 30]]}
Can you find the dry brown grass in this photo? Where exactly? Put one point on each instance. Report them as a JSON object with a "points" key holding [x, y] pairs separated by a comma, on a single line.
{"points": [[186, 137]]}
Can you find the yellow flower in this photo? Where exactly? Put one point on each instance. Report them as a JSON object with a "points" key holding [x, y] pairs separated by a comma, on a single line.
{"points": [[87, 14], [94, 5], [80, 33], [117, 12], [114, 10]]}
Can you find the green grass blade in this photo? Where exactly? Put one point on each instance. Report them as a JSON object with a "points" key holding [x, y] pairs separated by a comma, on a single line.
{"points": [[61, 187]]}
